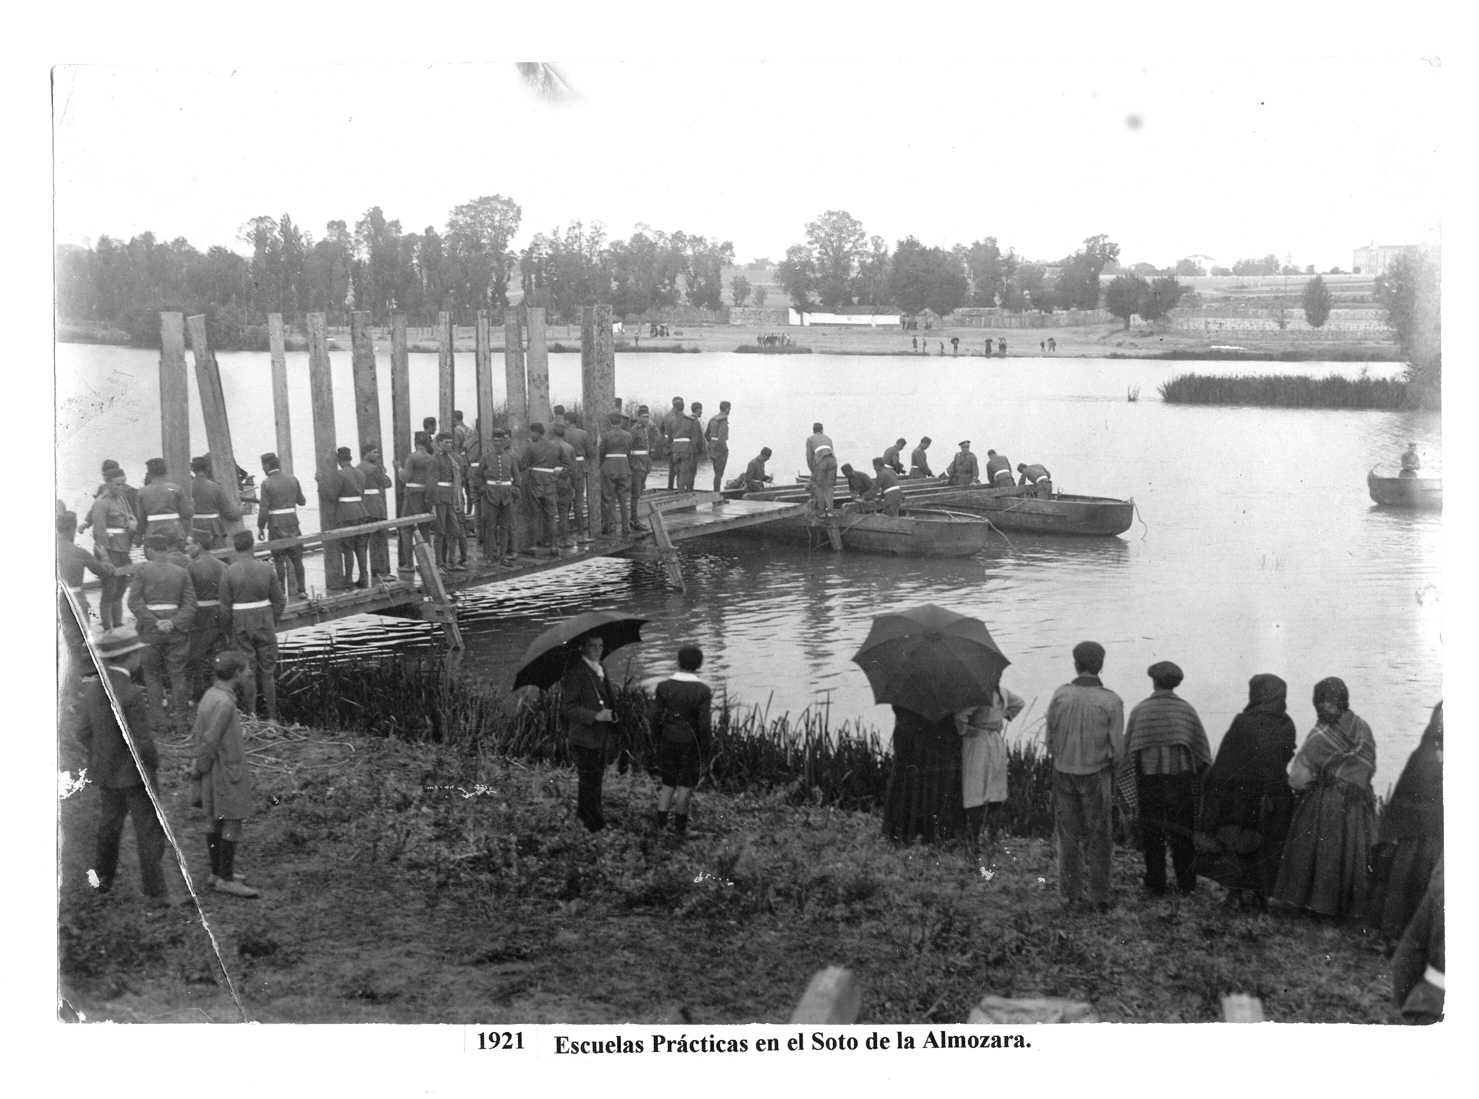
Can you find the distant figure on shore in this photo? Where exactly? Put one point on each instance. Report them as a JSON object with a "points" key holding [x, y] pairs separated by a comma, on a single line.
{"points": [[681, 723], [955, 345], [914, 342], [1001, 346], [942, 347], [1052, 345], [1042, 345], [919, 465], [1086, 738], [1411, 463]]}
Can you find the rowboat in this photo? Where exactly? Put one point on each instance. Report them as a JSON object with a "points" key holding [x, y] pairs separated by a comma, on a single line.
{"points": [[915, 532], [1009, 508], [1406, 492]]}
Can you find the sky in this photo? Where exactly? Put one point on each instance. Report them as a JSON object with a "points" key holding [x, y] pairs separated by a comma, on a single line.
{"points": [[1307, 157]]}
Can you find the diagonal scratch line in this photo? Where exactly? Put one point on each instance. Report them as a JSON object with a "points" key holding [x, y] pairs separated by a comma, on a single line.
{"points": [[133, 750]]}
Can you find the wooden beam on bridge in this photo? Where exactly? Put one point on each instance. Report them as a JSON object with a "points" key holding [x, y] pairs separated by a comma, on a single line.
{"points": [[174, 398], [280, 415], [325, 443], [217, 424]]}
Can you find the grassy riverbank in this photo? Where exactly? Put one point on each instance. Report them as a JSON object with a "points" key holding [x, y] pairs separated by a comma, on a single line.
{"points": [[420, 862], [1289, 391]]}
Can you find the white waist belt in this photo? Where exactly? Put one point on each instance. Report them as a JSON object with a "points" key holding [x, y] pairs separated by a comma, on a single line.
{"points": [[372, 492], [410, 484], [498, 482], [283, 511], [162, 606], [894, 488], [444, 484], [1434, 977], [623, 457], [821, 448], [253, 606], [541, 469], [579, 458], [639, 452], [207, 602], [349, 499], [160, 516], [207, 515], [116, 530], [685, 442]]}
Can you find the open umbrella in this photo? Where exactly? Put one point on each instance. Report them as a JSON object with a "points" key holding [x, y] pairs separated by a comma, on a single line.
{"points": [[931, 661], [545, 659]]}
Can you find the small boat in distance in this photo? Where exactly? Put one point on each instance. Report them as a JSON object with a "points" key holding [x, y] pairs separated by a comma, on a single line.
{"points": [[1406, 492]]}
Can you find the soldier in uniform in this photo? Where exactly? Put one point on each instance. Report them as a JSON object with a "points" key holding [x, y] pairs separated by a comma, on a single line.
{"points": [[497, 480], [963, 468], [542, 461], [417, 474], [565, 486], [162, 599], [616, 478], [251, 603], [755, 476], [891, 457], [716, 441], [584, 446], [206, 636], [998, 469], [919, 465], [213, 508], [859, 484], [641, 459], [1038, 477], [377, 483], [688, 446], [164, 507], [441, 496], [886, 488], [277, 517], [114, 525], [341, 493], [668, 426], [822, 463], [72, 564]]}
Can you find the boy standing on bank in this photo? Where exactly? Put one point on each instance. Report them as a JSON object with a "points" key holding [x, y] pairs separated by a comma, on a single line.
{"points": [[681, 721]]}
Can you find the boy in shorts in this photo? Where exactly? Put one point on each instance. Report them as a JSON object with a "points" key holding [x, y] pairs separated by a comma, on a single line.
{"points": [[681, 722]]}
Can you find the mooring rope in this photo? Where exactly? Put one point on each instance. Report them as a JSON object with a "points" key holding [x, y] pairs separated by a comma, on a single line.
{"points": [[1143, 523]]}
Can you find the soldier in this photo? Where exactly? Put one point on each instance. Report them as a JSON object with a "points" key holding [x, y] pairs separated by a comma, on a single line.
{"points": [[859, 484], [822, 463], [377, 482], [886, 488], [112, 471], [688, 446], [251, 603], [277, 517], [565, 486], [418, 472], [206, 636], [163, 505], [542, 461], [755, 476], [919, 465], [616, 482], [669, 424], [342, 495], [213, 508], [497, 480], [641, 460], [114, 524], [584, 447], [891, 457], [998, 469], [716, 441], [72, 563], [963, 468], [162, 599], [1038, 477], [441, 497]]}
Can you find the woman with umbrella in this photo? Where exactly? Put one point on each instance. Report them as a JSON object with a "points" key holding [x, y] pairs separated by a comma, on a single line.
{"points": [[570, 654], [928, 663]]}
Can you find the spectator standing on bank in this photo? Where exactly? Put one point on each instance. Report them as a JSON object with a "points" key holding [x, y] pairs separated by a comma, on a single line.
{"points": [[224, 790], [681, 722]]}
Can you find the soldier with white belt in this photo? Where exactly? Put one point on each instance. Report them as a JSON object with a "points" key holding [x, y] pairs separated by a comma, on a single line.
{"points": [[822, 462], [213, 510], [640, 455], [162, 599], [277, 516], [251, 603], [377, 483], [164, 507], [342, 492]]}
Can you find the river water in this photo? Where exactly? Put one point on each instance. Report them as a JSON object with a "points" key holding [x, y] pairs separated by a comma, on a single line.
{"points": [[1257, 549]]}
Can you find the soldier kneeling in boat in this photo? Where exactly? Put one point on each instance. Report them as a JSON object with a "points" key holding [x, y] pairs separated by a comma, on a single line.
{"points": [[886, 491], [1038, 477]]}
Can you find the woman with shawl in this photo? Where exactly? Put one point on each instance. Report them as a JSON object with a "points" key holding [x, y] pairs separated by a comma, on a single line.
{"points": [[1246, 799], [983, 762], [924, 784], [1324, 864], [1410, 840]]}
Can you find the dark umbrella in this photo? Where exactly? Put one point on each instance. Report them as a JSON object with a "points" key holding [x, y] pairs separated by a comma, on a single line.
{"points": [[544, 660], [931, 661]]}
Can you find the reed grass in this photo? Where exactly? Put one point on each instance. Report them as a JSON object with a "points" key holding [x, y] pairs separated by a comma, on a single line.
{"points": [[1287, 391]]}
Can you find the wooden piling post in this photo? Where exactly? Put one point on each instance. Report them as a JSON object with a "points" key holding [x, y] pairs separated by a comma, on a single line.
{"points": [[278, 349], [518, 422], [213, 412], [483, 365], [603, 373], [174, 398], [538, 355], [366, 385], [446, 372], [400, 425], [321, 393]]}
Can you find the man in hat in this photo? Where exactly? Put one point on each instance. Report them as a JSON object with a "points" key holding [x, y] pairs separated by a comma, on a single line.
{"points": [[341, 494], [616, 477], [251, 603], [565, 485], [822, 463], [919, 465], [963, 469], [497, 481], [277, 517], [688, 446], [442, 500], [112, 769], [113, 474], [213, 508], [1038, 477], [162, 599], [1411, 463], [115, 523], [716, 441], [641, 459], [1086, 723], [891, 456], [541, 461], [1166, 752], [583, 448], [224, 790], [755, 476], [164, 506], [417, 473], [998, 470], [670, 421], [887, 490], [377, 484], [587, 702], [206, 636]]}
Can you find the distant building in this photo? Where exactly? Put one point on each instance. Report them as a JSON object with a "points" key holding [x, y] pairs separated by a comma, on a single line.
{"points": [[1374, 259]]}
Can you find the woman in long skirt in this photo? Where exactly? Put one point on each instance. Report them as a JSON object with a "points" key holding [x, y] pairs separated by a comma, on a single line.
{"points": [[924, 784], [1410, 840], [1246, 799], [1324, 865], [983, 761]]}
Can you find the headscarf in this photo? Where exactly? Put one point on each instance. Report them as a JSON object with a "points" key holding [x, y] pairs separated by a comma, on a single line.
{"points": [[1267, 694], [1348, 734], [1416, 806], [1332, 699]]}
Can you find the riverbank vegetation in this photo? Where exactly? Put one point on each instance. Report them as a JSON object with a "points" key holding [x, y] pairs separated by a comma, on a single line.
{"points": [[1289, 391]]}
